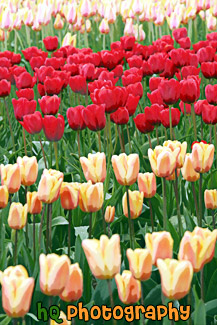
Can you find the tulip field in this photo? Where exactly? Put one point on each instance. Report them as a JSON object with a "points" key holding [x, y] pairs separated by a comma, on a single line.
{"points": [[108, 169]]}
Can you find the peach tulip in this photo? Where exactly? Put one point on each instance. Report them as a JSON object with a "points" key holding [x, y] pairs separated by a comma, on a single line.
{"points": [[109, 214], [140, 263], [63, 318], [17, 290], [188, 172], [198, 247], [163, 160], [11, 177], [176, 277], [136, 202], [28, 169], [176, 144], [91, 196], [104, 26], [3, 196], [129, 289], [69, 193], [74, 287], [54, 273], [49, 185], [33, 203], [94, 167], [126, 168], [103, 256], [160, 244], [147, 184], [17, 216], [202, 157], [210, 198]]}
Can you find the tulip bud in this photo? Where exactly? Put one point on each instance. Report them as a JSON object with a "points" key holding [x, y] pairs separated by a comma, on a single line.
{"points": [[176, 277], [176, 144], [188, 172], [3, 196], [163, 160], [126, 168], [91, 197], [29, 170], [202, 157], [210, 198], [147, 184], [33, 203], [136, 202], [17, 217], [74, 287], [198, 247], [103, 256], [160, 244], [49, 185], [11, 177], [94, 167], [54, 273], [69, 193], [129, 289], [17, 290], [109, 214], [140, 263]]}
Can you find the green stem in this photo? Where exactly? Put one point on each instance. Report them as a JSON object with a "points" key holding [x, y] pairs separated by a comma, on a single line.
{"points": [[200, 200], [56, 155], [177, 204], [194, 121], [129, 141], [213, 218], [43, 153], [24, 141], [129, 219], [158, 142], [171, 127], [50, 225], [164, 205], [202, 284], [99, 140], [10, 126], [90, 225], [120, 139], [15, 247], [34, 248], [41, 225], [69, 232], [151, 215], [149, 140], [26, 226], [195, 202], [109, 282]]}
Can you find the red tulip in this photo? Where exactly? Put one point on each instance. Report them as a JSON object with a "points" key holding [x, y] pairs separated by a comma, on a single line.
{"points": [[5, 74], [179, 33], [142, 125], [121, 116], [94, 117], [200, 45], [118, 71], [88, 71], [56, 63], [131, 79], [135, 61], [72, 68], [209, 69], [108, 76], [157, 62], [16, 58], [192, 84], [32, 123], [209, 114], [179, 57], [131, 104], [51, 43], [156, 98], [53, 86], [135, 89], [211, 94], [154, 82], [33, 51], [49, 104], [53, 127], [170, 91], [165, 117], [193, 60], [127, 42], [36, 62], [75, 118], [44, 72], [187, 108], [23, 107], [184, 42], [111, 59], [78, 84], [98, 84], [153, 114], [41, 89], [169, 69], [27, 93], [206, 54], [189, 71], [4, 62], [5, 88], [212, 36], [198, 106], [25, 80], [146, 68]]}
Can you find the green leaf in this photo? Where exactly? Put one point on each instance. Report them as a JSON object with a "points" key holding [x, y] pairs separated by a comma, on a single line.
{"points": [[200, 314], [82, 232], [33, 317], [154, 296], [6, 321], [212, 288], [58, 221]]}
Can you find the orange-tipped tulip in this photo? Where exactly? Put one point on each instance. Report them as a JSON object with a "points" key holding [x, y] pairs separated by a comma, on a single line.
{"points": [[198, 247], [140, 263], [126, 168], [54, 273], [17, 216], [188, 172], [49, 185], [94, 167], [69, 193], [210, 198], [147, 184], [136, 202], [202, 157], [11, 177], [109, 214], [64, 319], [163, 160], [3, 196], [129, 289], [28, 169], [33, 203], [103, 256], [176, 144], [176, 277], [17, 290], [91, 197], [160, 244], [74, 287]]}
